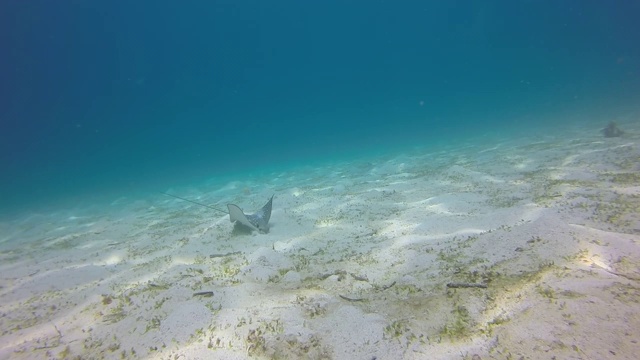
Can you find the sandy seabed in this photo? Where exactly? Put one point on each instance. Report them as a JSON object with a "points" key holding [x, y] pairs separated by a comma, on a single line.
{"points": [[517, 249]]}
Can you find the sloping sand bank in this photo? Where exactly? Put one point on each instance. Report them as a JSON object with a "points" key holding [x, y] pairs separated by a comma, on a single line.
{"points": [[525, 248]]}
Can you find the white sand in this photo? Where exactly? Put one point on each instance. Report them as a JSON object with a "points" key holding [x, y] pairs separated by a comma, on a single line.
{"points": [[550, 224]]}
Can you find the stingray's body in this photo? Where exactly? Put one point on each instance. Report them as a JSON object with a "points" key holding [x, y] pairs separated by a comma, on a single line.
{"points": [[258, 221]]}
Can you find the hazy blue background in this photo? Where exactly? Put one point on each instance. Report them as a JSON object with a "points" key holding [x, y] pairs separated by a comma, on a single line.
{"points": [[118, 96]]}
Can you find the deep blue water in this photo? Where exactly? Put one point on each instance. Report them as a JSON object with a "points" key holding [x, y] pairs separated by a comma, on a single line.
{"points": [[122, 96]]}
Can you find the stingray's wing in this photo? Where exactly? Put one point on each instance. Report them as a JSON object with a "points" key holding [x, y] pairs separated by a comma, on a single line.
{"points": [[236, 214], [265, 212], [261, 218]]}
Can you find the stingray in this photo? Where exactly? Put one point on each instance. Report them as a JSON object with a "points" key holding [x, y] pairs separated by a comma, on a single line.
{"points": [[257, 221]]}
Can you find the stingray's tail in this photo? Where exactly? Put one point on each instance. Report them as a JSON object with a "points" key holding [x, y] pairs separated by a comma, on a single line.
{"points": [[197, 203]]}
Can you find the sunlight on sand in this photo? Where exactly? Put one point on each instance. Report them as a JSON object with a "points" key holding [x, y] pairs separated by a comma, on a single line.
{"points": [[520, 249]]}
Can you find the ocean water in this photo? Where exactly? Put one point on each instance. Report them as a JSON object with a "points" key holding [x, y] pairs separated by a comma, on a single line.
{"points": [[442, 187], [123, 98]]}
